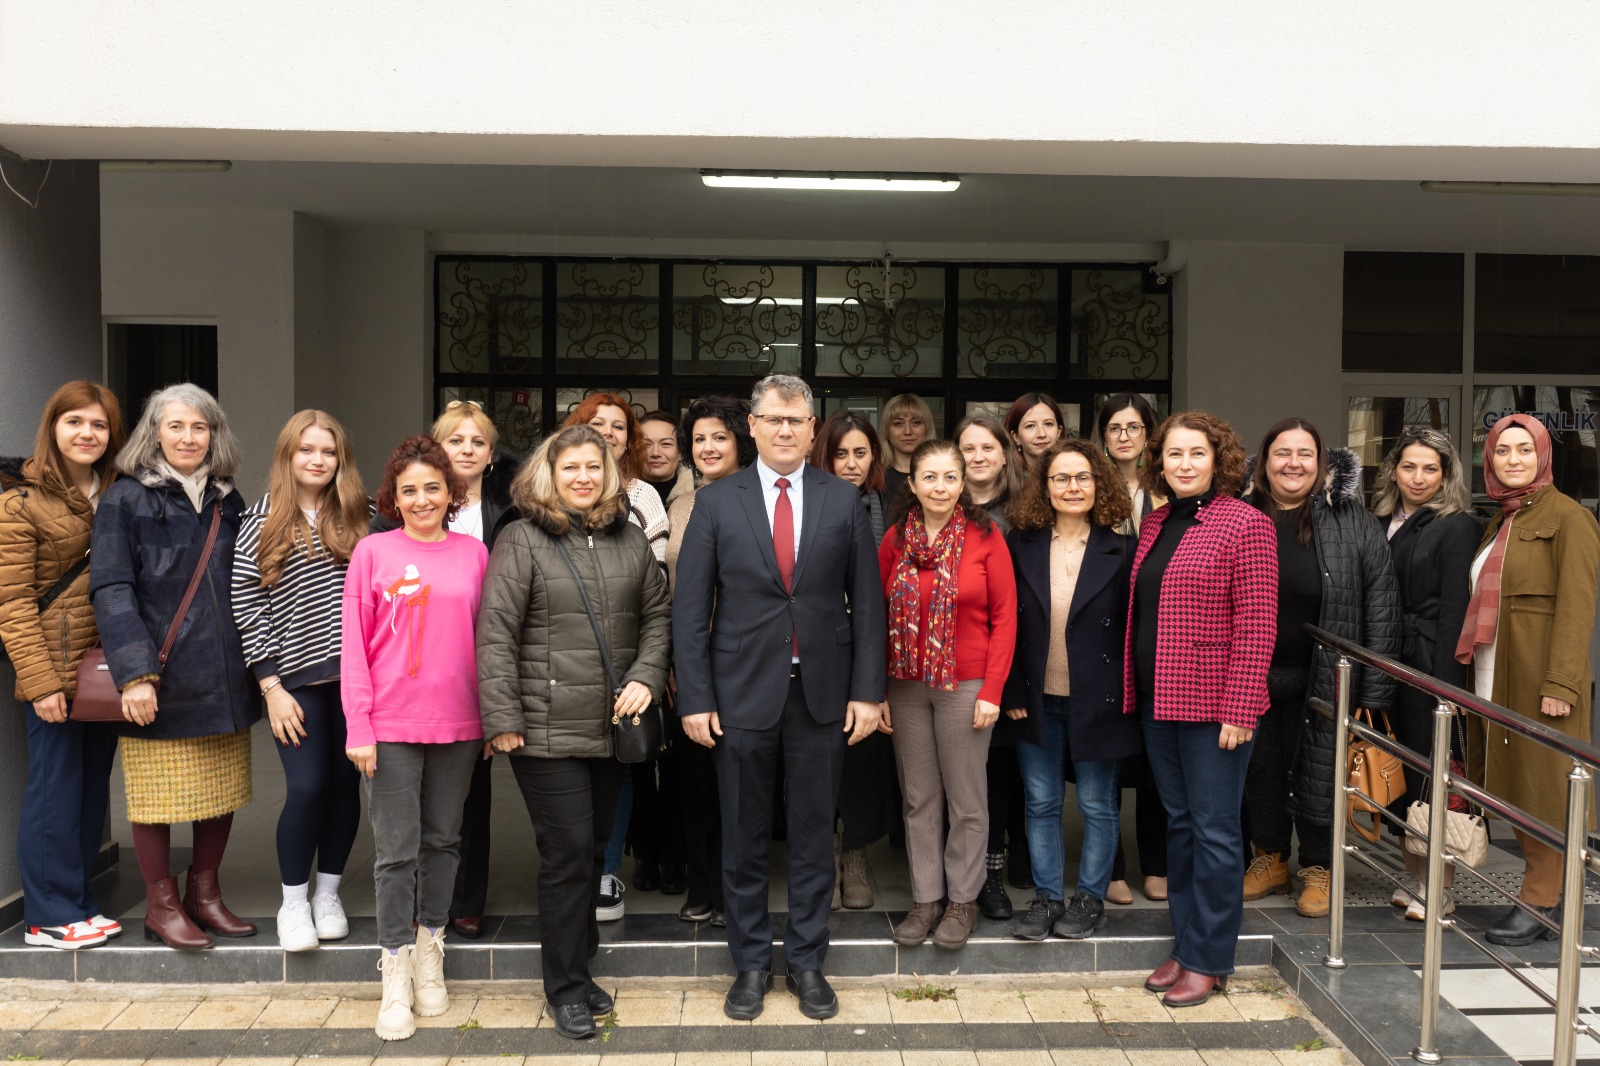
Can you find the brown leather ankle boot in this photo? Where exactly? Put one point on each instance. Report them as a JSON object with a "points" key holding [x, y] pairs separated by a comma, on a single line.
{"points": [[202, 901], [165, 920]]}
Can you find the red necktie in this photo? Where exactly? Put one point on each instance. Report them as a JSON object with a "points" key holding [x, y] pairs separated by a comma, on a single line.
{"points": [[783, 543], [783, 534]]}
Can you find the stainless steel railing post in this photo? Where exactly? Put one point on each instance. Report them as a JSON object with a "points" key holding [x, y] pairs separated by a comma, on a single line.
{"points": [[1334, 960], [1579, 782], [1427, 1049]]}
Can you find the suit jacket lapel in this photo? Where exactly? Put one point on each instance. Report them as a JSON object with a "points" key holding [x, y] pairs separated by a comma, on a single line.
{"points": [[755, 509], [1033, 562], [810, 518]]}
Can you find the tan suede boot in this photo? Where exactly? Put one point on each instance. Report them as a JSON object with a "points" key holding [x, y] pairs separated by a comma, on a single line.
{"points": [[1268, 875], [1312, 902]]}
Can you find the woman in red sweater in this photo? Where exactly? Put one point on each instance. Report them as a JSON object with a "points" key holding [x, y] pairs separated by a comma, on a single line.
{"points": [[952, 629]]}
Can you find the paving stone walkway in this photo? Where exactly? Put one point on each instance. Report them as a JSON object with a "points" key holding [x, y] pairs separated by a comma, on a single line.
{"points": [[1104, 1020]]}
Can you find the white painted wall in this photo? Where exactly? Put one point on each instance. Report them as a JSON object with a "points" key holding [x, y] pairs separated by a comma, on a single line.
{"points": [[1259, 332], [1034, 86], [49, 334], [235, 268]]}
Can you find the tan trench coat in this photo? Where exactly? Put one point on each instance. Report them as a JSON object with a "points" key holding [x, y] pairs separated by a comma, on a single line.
{"points": [[1547, 604]]}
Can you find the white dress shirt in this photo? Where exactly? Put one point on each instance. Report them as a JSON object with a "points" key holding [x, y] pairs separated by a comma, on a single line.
{"points": [[769, 495]]}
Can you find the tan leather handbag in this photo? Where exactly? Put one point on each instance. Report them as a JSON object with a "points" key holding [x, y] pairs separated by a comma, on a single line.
{"points": [[1375, 772]]}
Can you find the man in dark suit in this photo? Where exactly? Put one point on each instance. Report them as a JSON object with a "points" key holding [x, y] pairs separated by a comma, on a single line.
{"points": [[778, 625]]}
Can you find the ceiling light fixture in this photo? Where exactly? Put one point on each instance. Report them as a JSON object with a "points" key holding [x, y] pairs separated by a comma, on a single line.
{"points": [[835, 181], [165, 166], [1516, 188]]}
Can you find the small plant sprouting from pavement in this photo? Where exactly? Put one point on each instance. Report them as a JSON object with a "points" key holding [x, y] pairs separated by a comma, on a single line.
{"points": [[922, 990], [470, 1023], [1314, 1044], [608, 1025]]}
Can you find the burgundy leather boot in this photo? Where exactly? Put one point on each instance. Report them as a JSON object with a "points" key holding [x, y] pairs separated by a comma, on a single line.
{"points": [[165, 920], [202, 900], [1164, 977], [1193, 989]]}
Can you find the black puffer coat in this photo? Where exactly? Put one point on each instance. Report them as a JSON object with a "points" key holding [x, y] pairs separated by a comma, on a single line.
{"points": [[146, 542], [539, 669], [1360, 602]]}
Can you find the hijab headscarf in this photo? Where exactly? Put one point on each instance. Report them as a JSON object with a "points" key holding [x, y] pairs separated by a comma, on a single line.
{"points": [[1483, 612]]}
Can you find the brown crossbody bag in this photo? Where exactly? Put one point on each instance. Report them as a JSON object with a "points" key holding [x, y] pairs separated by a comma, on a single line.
{"points": [[97, 699]]}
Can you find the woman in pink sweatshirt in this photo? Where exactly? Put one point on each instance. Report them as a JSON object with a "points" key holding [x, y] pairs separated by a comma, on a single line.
{"points": [[410, 692]]}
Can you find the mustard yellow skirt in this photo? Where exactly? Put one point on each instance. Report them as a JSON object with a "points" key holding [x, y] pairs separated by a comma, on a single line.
{"points": [[185, 780]]}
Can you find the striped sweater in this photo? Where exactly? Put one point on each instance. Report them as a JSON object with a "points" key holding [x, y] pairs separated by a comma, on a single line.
{"points": [[292, 629]]}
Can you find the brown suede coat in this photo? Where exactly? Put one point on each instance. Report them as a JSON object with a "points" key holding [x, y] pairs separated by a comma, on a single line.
{"points": [[1547, 605], [41, 537]]}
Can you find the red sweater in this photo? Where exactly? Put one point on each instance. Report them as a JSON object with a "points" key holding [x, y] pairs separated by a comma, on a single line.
{"points": [[986, 606]]}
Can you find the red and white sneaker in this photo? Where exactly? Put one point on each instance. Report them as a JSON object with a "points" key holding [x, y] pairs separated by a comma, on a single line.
{"points": [[109, 926], [68, 937]]}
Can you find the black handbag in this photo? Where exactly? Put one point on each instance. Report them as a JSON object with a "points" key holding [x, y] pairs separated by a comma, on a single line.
{"points": [[637, 738]]}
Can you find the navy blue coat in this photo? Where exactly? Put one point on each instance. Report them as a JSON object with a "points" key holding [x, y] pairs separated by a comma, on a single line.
{"points": [[143, 551], [1096, 728]]}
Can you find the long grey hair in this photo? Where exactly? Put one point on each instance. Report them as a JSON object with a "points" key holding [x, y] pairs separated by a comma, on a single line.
{"points": [[143, 450], [1452, 495]]}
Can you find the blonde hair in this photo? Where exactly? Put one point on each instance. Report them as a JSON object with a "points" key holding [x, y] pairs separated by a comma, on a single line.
{"points": [[342, 516], [907, 403], [1452, 495], [534, 492], [458, 411]]}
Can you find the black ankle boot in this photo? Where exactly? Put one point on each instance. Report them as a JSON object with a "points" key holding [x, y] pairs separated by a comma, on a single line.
{"points": [[993, 903], [1517, 927]]}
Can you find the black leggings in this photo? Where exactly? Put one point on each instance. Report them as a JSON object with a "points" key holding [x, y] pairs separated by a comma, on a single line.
{"points": [[322, 795]]}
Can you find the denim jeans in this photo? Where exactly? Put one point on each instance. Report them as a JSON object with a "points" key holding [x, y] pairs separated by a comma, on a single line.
{"points": [[1043, 783], [1202, 787], [618, 839]]}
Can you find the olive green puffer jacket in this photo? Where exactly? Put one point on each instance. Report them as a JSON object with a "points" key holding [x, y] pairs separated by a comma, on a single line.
{"points": [[539, 670]]}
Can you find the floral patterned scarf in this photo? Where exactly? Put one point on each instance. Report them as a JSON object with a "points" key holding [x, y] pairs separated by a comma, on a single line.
{"points": [[937, 646]]}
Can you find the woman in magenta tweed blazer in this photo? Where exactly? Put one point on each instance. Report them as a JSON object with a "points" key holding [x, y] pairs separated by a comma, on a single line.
{"points": [[1201, 625]]}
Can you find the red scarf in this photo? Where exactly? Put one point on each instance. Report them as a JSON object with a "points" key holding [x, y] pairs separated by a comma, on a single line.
{"points": [[1483, 612], [943, 556]]}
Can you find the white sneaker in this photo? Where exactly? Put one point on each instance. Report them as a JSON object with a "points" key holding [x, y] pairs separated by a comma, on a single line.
{"points": [[610, 907], [69, 937], [328, 913], [109, 926], [1404, 894], [296, 930], [395, 1020], [1417, 910], [427, 968]]}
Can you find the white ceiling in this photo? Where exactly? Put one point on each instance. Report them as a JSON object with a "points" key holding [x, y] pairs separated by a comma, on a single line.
{"points": [[622, 204]]}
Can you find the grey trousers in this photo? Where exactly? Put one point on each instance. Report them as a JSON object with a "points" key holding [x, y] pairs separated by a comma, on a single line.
{"points": [[941, 761], [414, 800]]}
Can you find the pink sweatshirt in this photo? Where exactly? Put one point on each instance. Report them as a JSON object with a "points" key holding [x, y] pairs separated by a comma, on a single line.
{"points": [[409, 671]]}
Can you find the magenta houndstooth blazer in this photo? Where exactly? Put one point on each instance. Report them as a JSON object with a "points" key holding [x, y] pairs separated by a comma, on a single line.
{"points": [[1217, 619]]}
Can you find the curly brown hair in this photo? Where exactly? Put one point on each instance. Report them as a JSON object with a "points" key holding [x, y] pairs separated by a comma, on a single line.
{"points": [[1111, 503], [427, 451], [1227, 471]]}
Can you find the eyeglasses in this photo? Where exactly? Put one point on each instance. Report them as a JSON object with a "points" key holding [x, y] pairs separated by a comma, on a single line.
{"points": [[1130, 431], [1061, 481], [794, 422], [453, 404]]}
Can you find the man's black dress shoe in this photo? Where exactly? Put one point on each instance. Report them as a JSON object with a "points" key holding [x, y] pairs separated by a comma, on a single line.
{"points": [[600, 1001], [748, 995], [695, 912], [573, 1020], [646, 875], [817, 1000], [719, 920], [1517, 927], [674, 881]]}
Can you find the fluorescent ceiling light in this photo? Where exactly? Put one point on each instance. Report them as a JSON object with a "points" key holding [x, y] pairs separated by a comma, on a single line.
{"points": [[1516, 188], [830, 180], [165, 166]]}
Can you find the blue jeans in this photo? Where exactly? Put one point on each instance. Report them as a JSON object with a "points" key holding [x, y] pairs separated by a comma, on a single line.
{"points": [[619, 826], [1043, 784], [1201, 786]]}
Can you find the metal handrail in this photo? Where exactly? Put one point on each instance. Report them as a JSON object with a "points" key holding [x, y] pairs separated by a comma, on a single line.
{"points": [[1573, 842]]}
